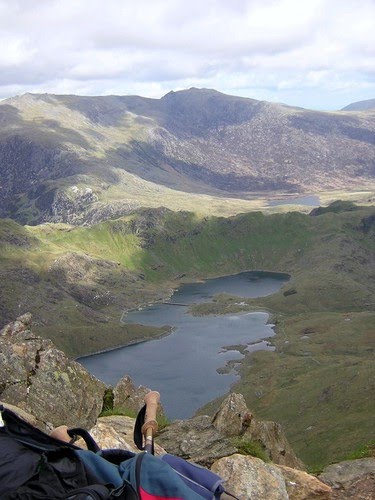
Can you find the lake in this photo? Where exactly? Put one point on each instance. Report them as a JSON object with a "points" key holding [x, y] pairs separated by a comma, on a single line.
{"points": [[309, 200], [184, 366]]}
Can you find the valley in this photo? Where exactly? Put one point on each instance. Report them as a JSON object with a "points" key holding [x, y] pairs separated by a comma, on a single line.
{"points": [[77, 281], [111, 203]]}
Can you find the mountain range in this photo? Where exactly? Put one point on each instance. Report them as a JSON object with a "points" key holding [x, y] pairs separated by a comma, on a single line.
{"points": [[190, 159], [66, 158]]}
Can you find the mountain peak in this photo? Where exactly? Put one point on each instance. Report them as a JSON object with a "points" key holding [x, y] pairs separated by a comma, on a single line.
{"points": [[360, 105]]}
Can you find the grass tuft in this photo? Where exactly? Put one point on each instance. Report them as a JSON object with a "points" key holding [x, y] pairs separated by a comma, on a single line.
{"points": [[252, 448]]}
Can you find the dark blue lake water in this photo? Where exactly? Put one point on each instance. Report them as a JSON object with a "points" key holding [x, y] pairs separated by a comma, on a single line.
{"points": [[183, 366], [310, 200]]}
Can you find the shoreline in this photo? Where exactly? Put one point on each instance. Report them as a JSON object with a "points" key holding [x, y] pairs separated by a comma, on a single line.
{"points": [[128, 344], [170, 295]]}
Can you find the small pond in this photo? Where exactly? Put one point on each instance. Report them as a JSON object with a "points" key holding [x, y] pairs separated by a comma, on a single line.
{"points": [[310, 201]]}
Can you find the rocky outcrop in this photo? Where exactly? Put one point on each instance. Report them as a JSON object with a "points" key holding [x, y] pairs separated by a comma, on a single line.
{"points": [[116, 432], [351, 479], [234, 419], [127, 395], [204, 439], [39, 378], [196, 439], [249, 477], [271, 437]]}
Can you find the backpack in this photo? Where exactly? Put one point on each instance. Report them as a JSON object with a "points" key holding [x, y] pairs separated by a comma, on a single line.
{"points": [[34, 465]]}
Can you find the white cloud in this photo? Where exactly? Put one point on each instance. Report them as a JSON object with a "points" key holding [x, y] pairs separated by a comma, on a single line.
{"points": [[267, 49]]}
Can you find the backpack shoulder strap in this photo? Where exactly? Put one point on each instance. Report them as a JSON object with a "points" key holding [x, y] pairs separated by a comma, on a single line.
{"points": [[91, 444]]}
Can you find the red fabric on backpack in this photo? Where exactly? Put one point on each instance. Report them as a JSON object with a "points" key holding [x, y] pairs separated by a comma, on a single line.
{"points": [[146, 496]]}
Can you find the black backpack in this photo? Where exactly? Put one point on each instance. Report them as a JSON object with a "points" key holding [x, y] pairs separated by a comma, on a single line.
{"points": [[36, 466]]}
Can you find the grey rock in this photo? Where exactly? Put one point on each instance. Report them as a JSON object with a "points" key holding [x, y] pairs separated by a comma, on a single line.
{"points": [[40, 379], [350, 470], [127, 396], [130, 398], [248, 477], [195, 439], [116, 432], [351, 479], [233, 416], [271, 437], [235, 419]]}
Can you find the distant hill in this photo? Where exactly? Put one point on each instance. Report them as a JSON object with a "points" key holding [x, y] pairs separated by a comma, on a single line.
{"points": [[84, 159], [360, 105]]}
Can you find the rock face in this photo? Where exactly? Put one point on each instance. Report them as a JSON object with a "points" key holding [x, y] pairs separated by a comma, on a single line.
{"points": [[352, 479], [249, 477], [195, 439], [39, 378], [127, 395], [272, 439]]}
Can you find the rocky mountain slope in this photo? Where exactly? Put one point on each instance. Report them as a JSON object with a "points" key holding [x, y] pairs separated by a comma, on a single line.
{"points": [[84, 159], [33, 371]]}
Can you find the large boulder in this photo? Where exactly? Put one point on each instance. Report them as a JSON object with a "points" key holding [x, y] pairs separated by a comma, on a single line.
{"points": [[40, 379], [116, 431], [351, 479], [195, 439], [249, 477], [303, 486]]}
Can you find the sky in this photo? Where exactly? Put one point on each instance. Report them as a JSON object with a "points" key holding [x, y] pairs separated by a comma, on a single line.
{"points": [[317, 54]]}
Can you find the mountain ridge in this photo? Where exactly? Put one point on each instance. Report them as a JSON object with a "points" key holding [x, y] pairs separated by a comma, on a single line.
{"points": [[360, 105], [149, 151]]}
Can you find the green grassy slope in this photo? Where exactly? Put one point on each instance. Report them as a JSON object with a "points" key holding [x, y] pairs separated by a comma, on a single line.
{"points": [[77, 281], [319, 383]]}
